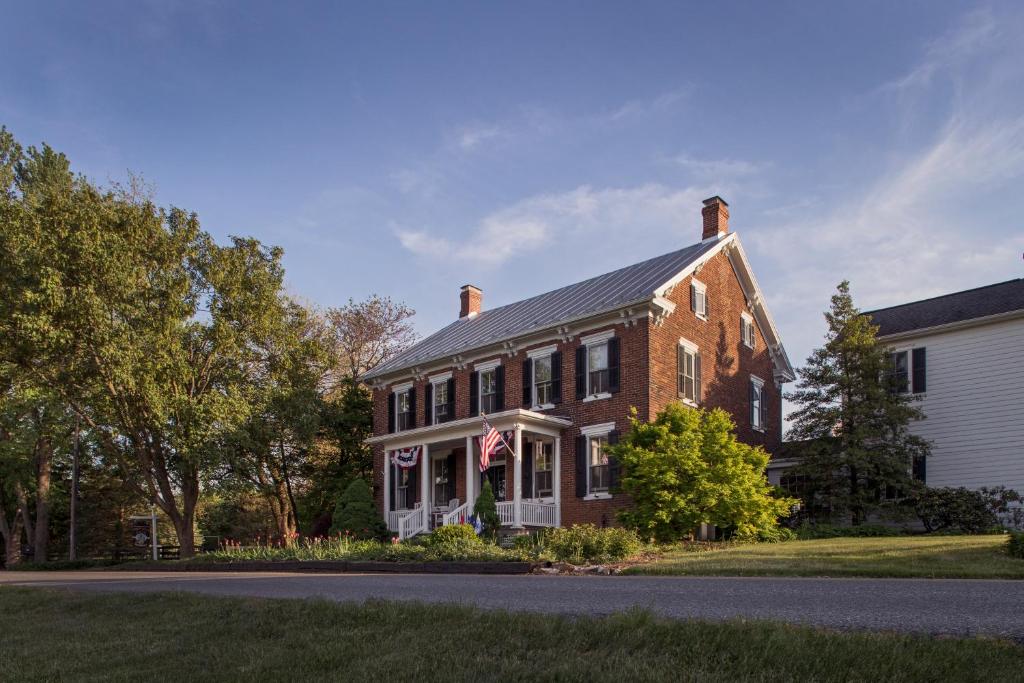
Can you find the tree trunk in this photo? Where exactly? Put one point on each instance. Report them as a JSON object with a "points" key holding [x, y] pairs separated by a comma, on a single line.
{"points": [[44, 462], [12, 538], [26, 518]]}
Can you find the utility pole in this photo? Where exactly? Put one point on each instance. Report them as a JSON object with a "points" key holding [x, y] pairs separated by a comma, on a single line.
{"points": [[72, 535]]}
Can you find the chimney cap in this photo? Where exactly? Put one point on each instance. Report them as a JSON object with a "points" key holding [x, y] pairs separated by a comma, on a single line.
{"points": [[467, 287], [715, 200]]}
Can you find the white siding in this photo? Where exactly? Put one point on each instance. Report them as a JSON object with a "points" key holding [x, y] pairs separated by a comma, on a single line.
{"points": [[974, 406]]}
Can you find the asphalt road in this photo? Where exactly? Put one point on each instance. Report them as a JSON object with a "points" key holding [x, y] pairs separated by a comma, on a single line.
{"points": [[932, 606]]}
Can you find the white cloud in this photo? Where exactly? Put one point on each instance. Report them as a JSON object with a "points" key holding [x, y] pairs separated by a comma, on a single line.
{"points": [[472, 136], [644, 107], [716, 169], [612, 216]]}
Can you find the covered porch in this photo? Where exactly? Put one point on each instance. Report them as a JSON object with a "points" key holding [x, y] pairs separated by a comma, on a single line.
{"points": [[432, 474]]}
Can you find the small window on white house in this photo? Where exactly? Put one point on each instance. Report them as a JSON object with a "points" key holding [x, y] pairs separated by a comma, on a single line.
{"points": [[758, 404], [699, 299], [899, 374], [748, 330], [908, 372]]}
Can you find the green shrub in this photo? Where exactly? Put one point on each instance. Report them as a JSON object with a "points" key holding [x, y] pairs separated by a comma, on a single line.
{"points": [[587, 543], [1015, 544], [356, 515], [486, 510], [810, 531], [778, 534], [941, 509], [453, 532]]}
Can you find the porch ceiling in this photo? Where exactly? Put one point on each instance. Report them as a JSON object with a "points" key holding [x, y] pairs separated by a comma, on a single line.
{"points": [[472, 426]]}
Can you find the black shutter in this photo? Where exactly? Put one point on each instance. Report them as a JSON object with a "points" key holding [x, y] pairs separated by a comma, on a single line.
{"points": [[451, 400], [412, 407], [581, 372], [451, 478], [527, 470], [614, 466], [499, 388], [697, 396], [391, 412], [693, 297], [613, 364], [527, 383], [428, 405], [394, 482], [920, 373], [680, 367], [556, 377], [581, 466], [474, 393], [764, 408]]}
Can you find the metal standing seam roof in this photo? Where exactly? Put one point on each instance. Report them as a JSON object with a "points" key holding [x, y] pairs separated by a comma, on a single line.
{"points": [[1003, 297], [598, 294]]}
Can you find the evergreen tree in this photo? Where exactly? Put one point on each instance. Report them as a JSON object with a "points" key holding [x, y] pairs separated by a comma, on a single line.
{"points": [[851, 423], [486, 510], [356, 514]]}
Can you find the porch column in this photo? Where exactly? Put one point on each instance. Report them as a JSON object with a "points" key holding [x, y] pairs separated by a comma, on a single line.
{"points": [[425, 482], [517, 491], [387, 486], [557, 481], [471, 471]]}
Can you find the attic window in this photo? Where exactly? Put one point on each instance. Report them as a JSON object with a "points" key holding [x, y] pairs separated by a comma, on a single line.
{"points": [[699, 299]]}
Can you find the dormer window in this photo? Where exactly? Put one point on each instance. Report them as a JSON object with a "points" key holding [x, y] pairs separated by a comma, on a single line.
{"points": [[699, 299]]}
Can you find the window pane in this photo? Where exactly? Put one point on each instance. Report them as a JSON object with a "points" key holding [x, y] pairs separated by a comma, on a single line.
{"points": [[440, 393], [542, 369], [755, 408], [598, 357], [488, 384]]}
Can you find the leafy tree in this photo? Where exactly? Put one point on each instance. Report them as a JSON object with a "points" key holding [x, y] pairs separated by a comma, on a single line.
{"points": [[135, 317], [356, 514], [367, 333], [686, 468], [486, 510], [851, 424]]}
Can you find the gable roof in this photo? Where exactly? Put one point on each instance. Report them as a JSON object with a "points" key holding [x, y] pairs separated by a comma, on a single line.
{"points": [[639, 283], [959, 307]]}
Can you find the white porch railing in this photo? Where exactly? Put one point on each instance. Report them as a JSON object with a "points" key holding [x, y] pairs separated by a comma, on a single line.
{"points": [[393, 517], [506, 512], [412, 523], [538, 514], [459, 515]]}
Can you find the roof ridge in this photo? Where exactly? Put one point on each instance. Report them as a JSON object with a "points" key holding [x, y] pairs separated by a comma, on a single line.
{"points": [[942, 296]]}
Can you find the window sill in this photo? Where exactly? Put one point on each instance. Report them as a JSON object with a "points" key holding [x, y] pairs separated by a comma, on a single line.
{"points": [[759, 430], [701, 317], [597, 496], [597, 397], [546, 406], [688, 402]]}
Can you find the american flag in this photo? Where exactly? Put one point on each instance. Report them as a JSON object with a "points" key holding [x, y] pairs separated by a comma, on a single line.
{"points": [[488, 445]]}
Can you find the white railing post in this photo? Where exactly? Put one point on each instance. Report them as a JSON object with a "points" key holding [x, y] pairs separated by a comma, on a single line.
{"points": [[387, 483], [470, 471], [517, 496], [557, 483], [425, 478]]}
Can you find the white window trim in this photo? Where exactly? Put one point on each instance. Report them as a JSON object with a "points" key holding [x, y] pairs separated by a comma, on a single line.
{"points": [[603, 429], [401, 388], [703, 289], [759, 383], [533, 454], [597, 337], [595, 340], [690, 347], [597, 397], [443, 377], [748, 329], [434, 381], [534, 354], [487, 366], [909, 350]]}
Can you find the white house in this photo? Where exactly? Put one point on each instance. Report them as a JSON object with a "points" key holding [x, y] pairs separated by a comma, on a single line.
{"points": [[963, 355]]}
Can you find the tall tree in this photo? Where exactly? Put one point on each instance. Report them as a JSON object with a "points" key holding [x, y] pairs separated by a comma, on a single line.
{"points": [[851, 424], [367, 333], [135, 317]]}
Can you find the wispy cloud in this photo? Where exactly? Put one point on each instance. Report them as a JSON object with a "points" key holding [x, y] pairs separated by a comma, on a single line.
{"points": [[472, 136], [716, 169], [612, 216], [661, 102]]}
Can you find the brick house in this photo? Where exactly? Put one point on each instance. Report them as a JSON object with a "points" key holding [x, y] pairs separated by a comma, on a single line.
{"points": [[558, 374]]}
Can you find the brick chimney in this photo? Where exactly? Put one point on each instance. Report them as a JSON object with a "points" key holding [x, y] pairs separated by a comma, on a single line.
{"points": [[716, 217], [471, 299]]}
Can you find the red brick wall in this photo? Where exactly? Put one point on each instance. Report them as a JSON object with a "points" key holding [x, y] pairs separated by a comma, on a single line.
{"points": [[726, 363]]}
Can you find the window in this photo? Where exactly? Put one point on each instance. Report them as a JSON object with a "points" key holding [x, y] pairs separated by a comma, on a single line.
{"points": [[440, 401], [758, 404], [543, 461], [442, 487], [899, 372], [597, 369], [688, 372], [488, 391], [699, 299], [403, 408], [542, 381], [598, 464], [747, 330], [403, 490]]}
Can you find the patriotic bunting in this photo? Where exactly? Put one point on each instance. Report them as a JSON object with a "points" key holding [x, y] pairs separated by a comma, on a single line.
{"points": [[406, 458]]}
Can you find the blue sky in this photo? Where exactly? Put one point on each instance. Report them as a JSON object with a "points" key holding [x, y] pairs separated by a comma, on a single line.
{"points": [[407, 148]]}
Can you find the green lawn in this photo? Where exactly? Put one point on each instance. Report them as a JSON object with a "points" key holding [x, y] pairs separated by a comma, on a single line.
{"points": [[57, 635], [981, 557]]}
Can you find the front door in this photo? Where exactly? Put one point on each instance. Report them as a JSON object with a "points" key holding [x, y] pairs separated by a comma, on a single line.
{"points": [[496, 475]]}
